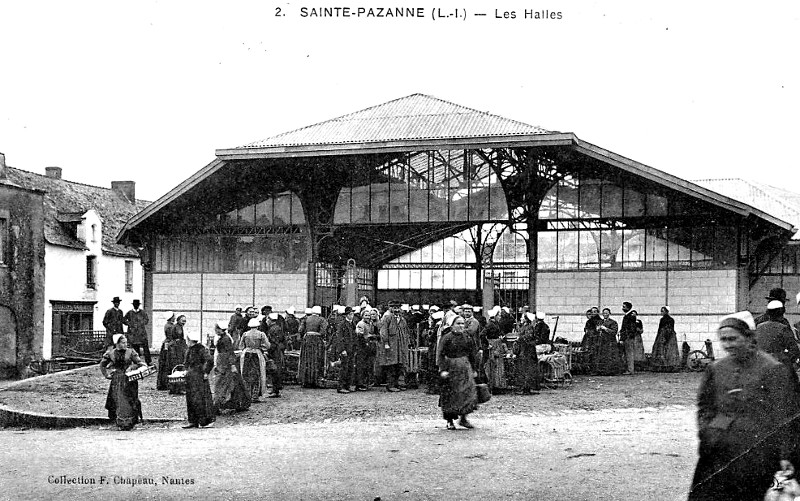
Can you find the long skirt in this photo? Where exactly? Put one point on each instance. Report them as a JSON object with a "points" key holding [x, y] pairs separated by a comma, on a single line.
{"points": [[122, 402], [252, 375], [638, 350], [458, 396], [199, 403], [720, 475], [311, 367], [172, 354], [495, 366], [229, 390], [527, 368], [665, 350], [609, 362]]}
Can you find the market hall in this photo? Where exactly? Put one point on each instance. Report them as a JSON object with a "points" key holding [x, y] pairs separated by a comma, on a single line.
{"points": [[425, 201]]}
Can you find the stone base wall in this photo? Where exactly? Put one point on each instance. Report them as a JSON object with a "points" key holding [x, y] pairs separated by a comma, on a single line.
{"points": [[697, 300], [206, 298]]}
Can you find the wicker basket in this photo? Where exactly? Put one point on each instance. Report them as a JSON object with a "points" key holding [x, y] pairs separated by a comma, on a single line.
{"points": [[141, 374], [177, 379]]}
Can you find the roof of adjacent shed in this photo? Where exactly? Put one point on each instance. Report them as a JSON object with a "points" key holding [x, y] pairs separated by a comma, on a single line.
{"points": [[781, 203], [65, 201], [417, 116]]}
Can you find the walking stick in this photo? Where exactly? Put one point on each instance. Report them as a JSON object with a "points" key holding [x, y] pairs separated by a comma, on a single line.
{"points": [[555, 327]]}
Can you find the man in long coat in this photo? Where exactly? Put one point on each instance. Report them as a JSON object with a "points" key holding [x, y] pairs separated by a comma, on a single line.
{"points": [[343, 347], [393, 345], [776, 338], [137, 322], [112, 321]]}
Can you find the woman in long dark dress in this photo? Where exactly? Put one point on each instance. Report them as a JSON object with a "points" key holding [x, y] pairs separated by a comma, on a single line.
{"points": [[609, 362], [228, 387], [592, 339], [744, 409], [253, 363], [122, 402], [199, 403], [174, 350], [458, 364], [665, 354], [311, 367], [527, 362], [162, 381]]}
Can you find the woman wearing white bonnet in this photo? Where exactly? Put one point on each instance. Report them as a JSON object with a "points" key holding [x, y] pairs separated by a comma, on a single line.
{"points": [[253, 362], [199, 403], [744, 410]]}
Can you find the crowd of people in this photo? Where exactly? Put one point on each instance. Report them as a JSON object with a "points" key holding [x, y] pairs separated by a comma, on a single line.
{"points": [[748, 402]]}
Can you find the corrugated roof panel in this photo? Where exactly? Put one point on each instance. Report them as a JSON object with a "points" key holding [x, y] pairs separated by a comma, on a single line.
{"points": [[414, 117]]}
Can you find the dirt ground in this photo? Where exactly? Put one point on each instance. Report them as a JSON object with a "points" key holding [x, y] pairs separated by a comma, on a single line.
{"points": [[83, 392]]}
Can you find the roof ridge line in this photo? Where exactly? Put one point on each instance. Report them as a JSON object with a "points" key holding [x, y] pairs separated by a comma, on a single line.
{"points": [[428, 96], [61, 179]]}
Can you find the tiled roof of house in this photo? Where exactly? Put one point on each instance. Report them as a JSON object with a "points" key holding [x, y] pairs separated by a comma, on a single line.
{"points": [[778, 202], [64, 203], [417, 116]]}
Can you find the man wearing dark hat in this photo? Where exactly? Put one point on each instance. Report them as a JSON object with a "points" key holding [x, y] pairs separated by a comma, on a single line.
{"points": [[627, 334], [112, 321], [344, 349], [393, 345], [137, 321], [776, 294]]}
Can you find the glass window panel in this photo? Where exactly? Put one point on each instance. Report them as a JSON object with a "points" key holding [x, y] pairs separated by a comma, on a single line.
{"points": [[229, 218], [360, 202], [437, 252], [471, 279], [612, 201], [383, 279], [679, 251], [656, 205], [568, 199], [283, 210], [426, 254], [297, 210], [244, 254], [549, 207], [404, 281], [655, 248], [548, 250], [725, 245], [588, 245], [418, 203], [590, 198], [394, 278], [449, 250], [633, 248], [449, 279], [426, 279], [498, 206], [610, 248], [247, 215], [264, 213], [399, 202], [437, 279], [567, 250], [380, 203], [702, 247], [415, 279], [341, 214], [790, 260], [459, 279], [634, 203]]}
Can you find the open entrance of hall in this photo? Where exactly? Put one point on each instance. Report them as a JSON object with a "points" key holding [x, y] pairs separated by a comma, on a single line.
{"points": [[424, 200]]}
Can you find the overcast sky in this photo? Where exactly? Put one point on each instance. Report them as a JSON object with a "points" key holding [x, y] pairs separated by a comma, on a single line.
{"points": [[147, 90]]}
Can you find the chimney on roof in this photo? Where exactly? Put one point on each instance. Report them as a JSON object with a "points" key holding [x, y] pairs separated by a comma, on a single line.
{"points": [[3, 166], [53, 172], [126, 189]]}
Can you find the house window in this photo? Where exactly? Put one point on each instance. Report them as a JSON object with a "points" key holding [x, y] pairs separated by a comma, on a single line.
{"points": [[91, 272], [3, 238], [128, 276], [94, 233]]}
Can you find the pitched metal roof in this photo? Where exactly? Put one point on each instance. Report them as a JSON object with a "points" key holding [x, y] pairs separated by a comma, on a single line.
{"points": [[778, 202], [66, 201], [417, 116]]}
